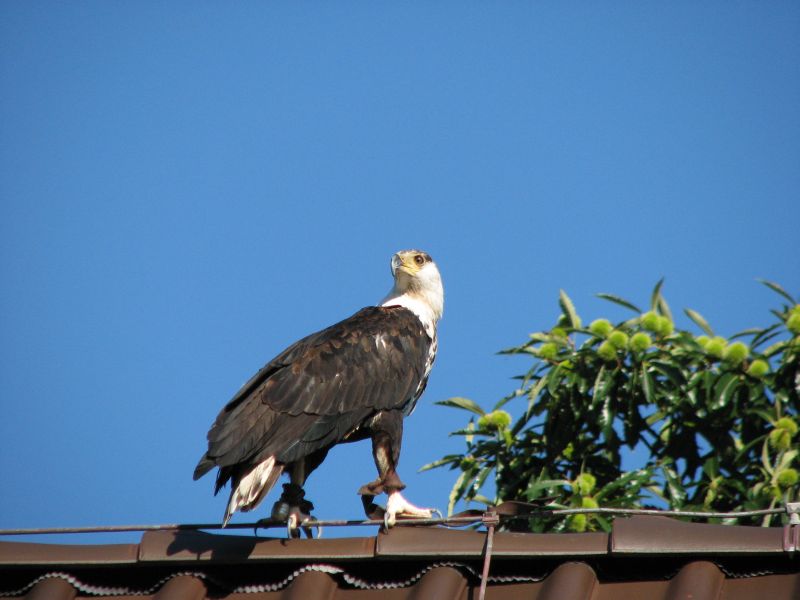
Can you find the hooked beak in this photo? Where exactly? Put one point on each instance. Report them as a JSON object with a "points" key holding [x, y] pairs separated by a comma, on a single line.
{"points": [[397, 262]]}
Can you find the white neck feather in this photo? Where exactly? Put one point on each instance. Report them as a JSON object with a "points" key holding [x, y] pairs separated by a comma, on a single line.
{"points": [[426, 302]]}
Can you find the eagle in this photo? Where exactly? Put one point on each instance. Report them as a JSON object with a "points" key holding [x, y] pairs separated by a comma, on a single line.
{"points": [[355, 380]]}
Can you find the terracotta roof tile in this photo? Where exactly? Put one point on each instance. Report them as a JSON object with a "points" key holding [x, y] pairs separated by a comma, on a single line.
{"points": [[644, 557], [661, 535]]}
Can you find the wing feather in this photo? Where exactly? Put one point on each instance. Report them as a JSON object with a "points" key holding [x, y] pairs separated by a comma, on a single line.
{"points": [[320, 388]]}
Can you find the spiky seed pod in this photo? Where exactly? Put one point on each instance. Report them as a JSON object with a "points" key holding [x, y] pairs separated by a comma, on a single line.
{"points": [[585, 483], [716, 346], [607, 351], [497, 419], [641, 342], [618, 339], [736, 353], [788, 424], [787, 478], [780, 439], [568, 451], [601, 327], [665, 327], [576, 523], [548, 351], [589, 503], [793, 323], [650, 321], [758, 368]]}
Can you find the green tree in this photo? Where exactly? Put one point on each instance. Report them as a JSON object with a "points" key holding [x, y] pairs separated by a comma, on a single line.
{"points": [[716, 418]]}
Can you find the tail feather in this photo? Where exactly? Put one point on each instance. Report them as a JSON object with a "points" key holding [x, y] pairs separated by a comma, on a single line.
{"points": [[203, 467], [248, 491]]}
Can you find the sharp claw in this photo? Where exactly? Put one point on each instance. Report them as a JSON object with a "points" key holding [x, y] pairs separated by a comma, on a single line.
{"points": [[261, 523], [436, 511], [291, 526], [307, 529]]}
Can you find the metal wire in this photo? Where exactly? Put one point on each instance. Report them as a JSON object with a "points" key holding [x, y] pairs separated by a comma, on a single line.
{"points": [[455, 521]]}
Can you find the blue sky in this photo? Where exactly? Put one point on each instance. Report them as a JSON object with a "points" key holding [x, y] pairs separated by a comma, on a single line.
{"points": [[187, 188]]}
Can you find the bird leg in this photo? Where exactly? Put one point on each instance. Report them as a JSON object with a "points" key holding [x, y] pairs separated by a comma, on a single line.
{"points": [[292, 507], [386, 435]]}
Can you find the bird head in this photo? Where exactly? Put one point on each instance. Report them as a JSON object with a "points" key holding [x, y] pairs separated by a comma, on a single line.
{"points": [[417, 277]]}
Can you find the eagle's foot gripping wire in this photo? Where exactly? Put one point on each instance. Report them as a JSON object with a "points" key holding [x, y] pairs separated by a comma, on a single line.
{"points": [[293, 509], [397, 506]]}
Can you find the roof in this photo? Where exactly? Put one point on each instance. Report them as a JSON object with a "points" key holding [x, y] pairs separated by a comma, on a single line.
{"points": [[642, 557]]}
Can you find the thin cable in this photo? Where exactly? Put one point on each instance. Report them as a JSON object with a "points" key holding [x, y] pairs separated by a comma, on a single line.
{"points": [[446, 521], [669, 513]]}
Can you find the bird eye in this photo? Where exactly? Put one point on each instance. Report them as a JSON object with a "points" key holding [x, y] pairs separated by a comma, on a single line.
{"points": [[419, 259]]}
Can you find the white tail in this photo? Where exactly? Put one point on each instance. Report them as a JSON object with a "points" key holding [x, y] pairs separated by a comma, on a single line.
{"points": [[251, 489]]}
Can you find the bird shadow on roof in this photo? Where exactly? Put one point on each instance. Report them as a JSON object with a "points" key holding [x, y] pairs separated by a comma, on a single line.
{"points": [[198, 545]]}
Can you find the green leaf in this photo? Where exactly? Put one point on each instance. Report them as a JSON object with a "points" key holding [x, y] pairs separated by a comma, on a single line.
{"points": [[656, 295], [607, 419], [672, 372], [648, 387], [745, 449], [746, 332], [777, 288], [453, 459], [723, 390], [696, 379], [568, 309], [554, 380], [620, 301], [481, 478], [786, 459], [711, 467], [765, 334], [545, 484], [775, 348], [654, 418], [600, 386], [540, 337], [663, 307], [677, 493], [658, 303], [517, 349], [469, 431], [604, 523], [470, 436], [463, 403], [765, 458], [637, 478], [534, 392], [482, 499], [764, 414], [457, 492], [699, 321]]}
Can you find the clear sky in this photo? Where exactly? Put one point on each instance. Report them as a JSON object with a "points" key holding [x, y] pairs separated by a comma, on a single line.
{"points": [[189, 187]]}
